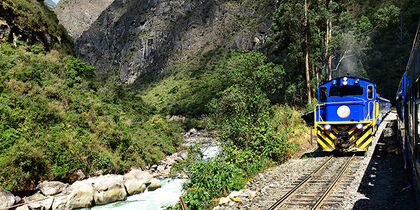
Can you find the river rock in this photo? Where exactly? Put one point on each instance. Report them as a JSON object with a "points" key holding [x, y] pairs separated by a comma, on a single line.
{"points": [[224, 200], [52, 187], [109, 188], [155, 184], [39, 201], [81, 194], [6, 198], [160, 168], [24, 207], [60, 202], [136, 181]]}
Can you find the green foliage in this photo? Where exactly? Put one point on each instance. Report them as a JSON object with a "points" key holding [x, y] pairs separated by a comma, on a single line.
{"points": [[38, 49], [51, 129], [212, 179], [353, 24], [237, 90], [36, 22]]}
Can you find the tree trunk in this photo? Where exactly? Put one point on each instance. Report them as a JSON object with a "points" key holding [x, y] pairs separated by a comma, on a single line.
{"points": [[328, 56], [308, 85]]}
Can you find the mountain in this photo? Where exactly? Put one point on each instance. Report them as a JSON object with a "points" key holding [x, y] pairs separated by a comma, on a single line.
{"points": [[139, 37], [77, 15], [50, 4]]}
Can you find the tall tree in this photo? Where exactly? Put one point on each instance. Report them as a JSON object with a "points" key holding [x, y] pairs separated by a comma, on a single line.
{"points": [[328, 29], [308, 80]]}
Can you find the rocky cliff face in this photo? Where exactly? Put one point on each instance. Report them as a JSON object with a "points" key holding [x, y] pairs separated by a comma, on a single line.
{"points": [[138, 37], [77, 15]]}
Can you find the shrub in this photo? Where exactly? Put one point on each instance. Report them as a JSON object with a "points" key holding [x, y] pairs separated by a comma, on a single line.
{"points": [[38, 49], [55, 122], [212, 179]]}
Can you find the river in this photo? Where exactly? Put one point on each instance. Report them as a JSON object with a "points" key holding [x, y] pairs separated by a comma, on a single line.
{"points": [[167, 195]]}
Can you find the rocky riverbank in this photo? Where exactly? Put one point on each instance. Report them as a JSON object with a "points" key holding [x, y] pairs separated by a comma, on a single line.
{"points": [[103, 189]]}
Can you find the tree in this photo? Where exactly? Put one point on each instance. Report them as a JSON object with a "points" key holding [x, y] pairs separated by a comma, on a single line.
{"points": [[308, 81], [332, 36]]}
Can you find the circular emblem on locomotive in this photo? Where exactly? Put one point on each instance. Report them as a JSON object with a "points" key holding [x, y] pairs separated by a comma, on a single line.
{"points": [[343, 111]]}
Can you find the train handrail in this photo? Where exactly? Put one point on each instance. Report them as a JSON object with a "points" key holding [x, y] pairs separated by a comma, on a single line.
{"points": [[342, 102], [368, 115]]}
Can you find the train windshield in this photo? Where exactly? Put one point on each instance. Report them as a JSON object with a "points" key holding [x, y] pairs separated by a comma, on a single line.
{"points": [[346, 91]]}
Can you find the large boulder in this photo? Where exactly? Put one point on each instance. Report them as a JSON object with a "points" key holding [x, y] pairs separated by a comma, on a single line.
{"points": [[109, 188], [155, 184], [6, 198], [60, 202], [24, 207], [136, 181], [81, 194], [39, 202], [52, 187]]}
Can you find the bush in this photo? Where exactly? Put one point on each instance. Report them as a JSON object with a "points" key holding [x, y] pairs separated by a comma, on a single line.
{"points": [[38, 49], [212, 179], [53, 127]]}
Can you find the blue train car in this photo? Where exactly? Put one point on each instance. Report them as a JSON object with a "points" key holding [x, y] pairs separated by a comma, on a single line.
{"points": [[408, 109], [348, 113]]}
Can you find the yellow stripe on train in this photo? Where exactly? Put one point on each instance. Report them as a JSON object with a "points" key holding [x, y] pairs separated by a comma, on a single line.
{"points": [[358, 139]]}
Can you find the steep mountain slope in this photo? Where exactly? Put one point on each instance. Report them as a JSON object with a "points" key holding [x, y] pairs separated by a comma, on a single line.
{"points": [[77, 15], [136, 38], [50, 4]]}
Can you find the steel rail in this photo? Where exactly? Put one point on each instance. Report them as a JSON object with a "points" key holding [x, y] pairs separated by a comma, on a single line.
{"points": [[301, 183], [333, 184]]}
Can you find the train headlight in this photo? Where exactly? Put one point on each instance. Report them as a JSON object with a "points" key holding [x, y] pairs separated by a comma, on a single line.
{"points": [[343, 111], [334, 82], [327, 127], [345, 79], [356, 82], [345, 82], [359, 126]]}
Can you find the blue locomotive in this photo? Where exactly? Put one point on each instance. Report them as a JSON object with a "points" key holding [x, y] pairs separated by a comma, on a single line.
{"points": [[348, 113], [408, 109]]}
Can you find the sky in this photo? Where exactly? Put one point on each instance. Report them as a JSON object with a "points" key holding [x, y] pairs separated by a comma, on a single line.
{"points": [[56, 1]]}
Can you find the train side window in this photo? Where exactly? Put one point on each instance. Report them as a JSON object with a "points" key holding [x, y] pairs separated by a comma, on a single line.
{"points": [[370, 92], [322, 94]]}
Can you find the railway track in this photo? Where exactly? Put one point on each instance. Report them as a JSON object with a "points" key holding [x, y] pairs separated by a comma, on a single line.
{"points": [[312, 191]]}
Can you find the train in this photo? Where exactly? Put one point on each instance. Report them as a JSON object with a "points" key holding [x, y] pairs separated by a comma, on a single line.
{"points": [[348, 113], [408, 112]]}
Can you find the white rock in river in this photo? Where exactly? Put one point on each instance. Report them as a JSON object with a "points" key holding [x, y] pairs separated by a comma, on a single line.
{"points": [[52, 187], [81, 194], [109, 188], [39, 201], [155, 184], [224, 200], [24, 207], [6, 198], [136, 181], [60, 202]]}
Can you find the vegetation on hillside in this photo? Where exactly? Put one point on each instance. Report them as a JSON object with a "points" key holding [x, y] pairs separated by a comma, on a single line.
{"points": [[56, 119], [36, 24]]}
